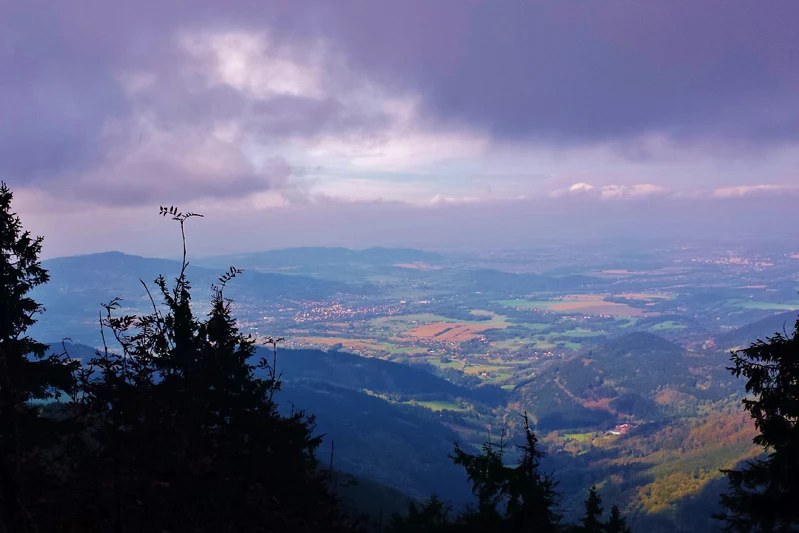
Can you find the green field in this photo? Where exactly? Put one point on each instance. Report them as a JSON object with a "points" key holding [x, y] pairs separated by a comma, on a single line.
{"points": [[535, 327], [390, 348], [580, 333], [479, 369], [435, 361], [440, 405], [509, 344], [579, 437], [402, 323], [669, 324], [544, 345]]}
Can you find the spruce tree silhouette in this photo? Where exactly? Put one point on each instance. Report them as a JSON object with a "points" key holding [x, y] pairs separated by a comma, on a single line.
{"points": [[591, 522], [509, 499], [432, 516], [182, 434], [616, 523], [533, 493], [527, 494], [764, 494], [28, 484]]}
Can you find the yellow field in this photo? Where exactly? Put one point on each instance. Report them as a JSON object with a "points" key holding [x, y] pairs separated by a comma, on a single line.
{"points": [[348, 343], [594, 304], [452, 332]]}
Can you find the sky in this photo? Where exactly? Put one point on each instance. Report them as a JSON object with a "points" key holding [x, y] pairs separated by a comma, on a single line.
{"points": [[444, 124]]}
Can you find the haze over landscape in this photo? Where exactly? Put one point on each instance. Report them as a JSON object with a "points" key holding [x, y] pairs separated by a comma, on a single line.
{"points": [[449, 213]]}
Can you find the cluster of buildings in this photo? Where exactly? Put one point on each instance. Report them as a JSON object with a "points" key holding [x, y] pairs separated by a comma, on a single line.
{"points": [[621, 429], [321, 311]]}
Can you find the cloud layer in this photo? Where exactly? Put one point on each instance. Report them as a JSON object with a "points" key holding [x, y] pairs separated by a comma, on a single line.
{"points": [[438, 105]]}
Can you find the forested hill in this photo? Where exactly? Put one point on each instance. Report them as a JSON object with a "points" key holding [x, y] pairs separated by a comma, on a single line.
{"points": [[377, 375], [120, 273], [622, 377], [745, 335], [640, 344], [80, 284]]}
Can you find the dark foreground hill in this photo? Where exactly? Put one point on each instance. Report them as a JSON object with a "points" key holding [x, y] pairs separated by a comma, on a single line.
{"points": [[396, 445], [377, 375], [399, 446]]}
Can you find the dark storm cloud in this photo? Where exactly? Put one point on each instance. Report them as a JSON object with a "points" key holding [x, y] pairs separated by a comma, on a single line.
{"points": [[581, 72], [56, 93], [558, 73], [101, 101]]}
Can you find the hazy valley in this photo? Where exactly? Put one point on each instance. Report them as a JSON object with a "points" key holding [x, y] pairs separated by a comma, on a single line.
{"points": [[620, 358]]}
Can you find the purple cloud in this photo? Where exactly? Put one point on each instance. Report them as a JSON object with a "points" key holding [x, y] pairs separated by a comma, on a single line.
{"points": [[564, 72], [131, 104]]}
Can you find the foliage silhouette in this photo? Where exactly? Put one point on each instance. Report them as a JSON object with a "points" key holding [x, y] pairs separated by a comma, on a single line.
{"points": [[432, 516], [764, 493], [182, 435], [509, 498], [27, 439], [616, 522], [591, 522]]}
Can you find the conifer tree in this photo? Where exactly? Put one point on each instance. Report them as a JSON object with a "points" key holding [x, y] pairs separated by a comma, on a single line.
{"points": [[429, 517], [533, 492], [616, 523], [527, 494], [592, 519], [764, 494], [489, 477], [27, 373], [184, 435]]}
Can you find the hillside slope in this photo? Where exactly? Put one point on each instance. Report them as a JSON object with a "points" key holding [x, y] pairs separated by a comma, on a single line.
{"points": [[745, 335]]}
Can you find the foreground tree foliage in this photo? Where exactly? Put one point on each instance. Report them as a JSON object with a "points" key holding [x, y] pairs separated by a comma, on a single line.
{"points": [[509, 498], [28, 441], [432, 516], [591, 522], [764, 494], [616, 523], [180, 433]]}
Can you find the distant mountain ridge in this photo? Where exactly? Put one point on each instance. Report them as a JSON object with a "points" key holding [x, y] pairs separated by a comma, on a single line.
{"points": [[746, 335], [80, 284], [117, 270], [304, 256]]}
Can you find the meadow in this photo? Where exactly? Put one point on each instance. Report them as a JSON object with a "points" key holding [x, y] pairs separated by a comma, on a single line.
{"points": [[581, 304]]}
